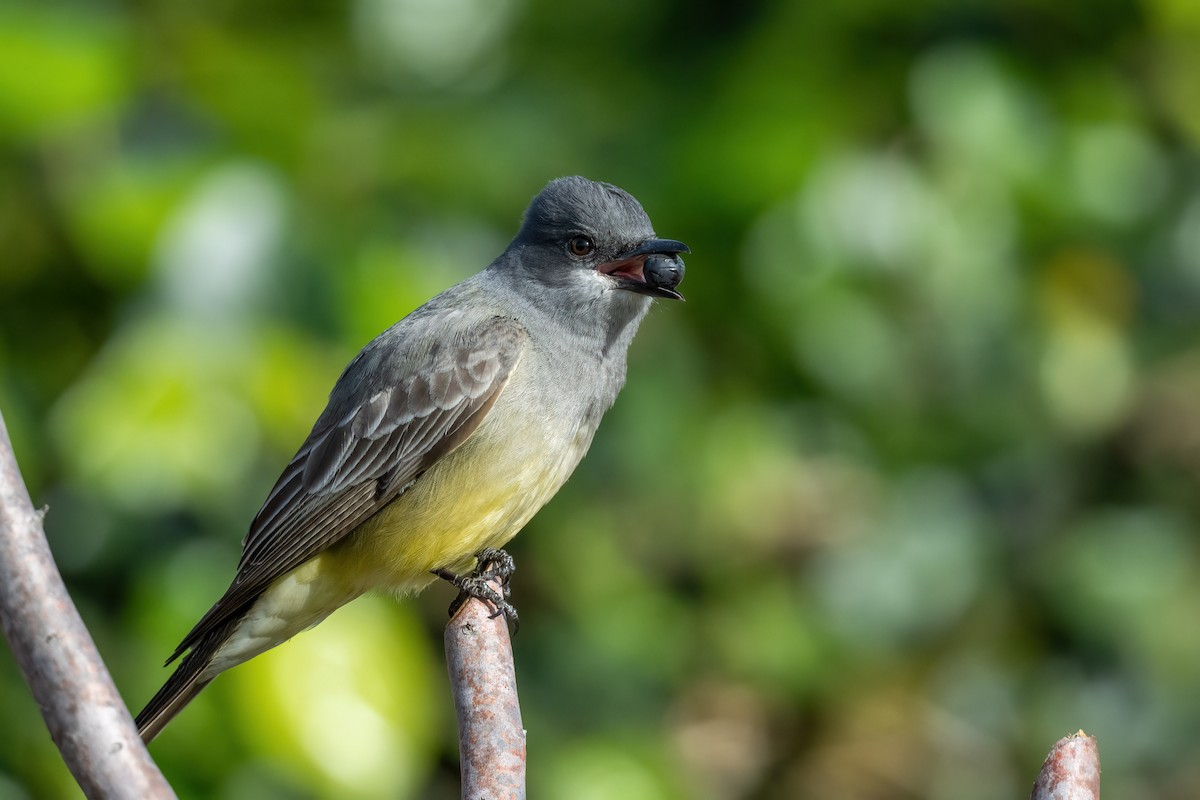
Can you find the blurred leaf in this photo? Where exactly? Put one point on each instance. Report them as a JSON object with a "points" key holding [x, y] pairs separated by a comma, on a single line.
{"points": [[58, 67]]}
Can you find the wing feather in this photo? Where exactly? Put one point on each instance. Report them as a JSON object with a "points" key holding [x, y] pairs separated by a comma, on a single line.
{"points": [[361, 455]]}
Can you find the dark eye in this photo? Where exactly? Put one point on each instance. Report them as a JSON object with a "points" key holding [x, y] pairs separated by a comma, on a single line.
{"points": [[580, 245]]}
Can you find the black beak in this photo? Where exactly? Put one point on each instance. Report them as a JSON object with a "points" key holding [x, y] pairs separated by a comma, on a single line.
{"points": [[665, 247]]}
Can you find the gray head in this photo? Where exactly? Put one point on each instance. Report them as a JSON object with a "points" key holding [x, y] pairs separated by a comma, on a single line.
{"points": [[585, 240]]}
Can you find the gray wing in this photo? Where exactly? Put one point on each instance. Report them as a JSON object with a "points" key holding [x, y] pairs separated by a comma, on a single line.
{"points": [[388, 421]]}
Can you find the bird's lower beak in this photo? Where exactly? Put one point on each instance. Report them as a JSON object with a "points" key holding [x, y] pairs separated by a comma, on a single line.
{"points": [[653, 268]]}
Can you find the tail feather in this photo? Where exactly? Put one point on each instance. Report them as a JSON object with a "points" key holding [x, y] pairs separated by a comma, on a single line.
{"points": [[292, 604], [169, 701], [185, 683]]}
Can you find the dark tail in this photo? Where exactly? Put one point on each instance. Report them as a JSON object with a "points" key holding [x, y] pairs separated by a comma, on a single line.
{"points": [[170, 700], [186, 682]]}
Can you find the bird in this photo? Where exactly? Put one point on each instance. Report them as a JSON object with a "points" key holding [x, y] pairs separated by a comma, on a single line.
{"points": [[445, 434]]}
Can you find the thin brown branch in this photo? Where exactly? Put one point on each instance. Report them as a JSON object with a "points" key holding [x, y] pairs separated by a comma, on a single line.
{"points": [[490, 734], [87, 719], [1071, 771]]}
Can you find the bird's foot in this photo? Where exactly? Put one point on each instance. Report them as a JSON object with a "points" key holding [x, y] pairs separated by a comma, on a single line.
{"points": [[491, 564]]}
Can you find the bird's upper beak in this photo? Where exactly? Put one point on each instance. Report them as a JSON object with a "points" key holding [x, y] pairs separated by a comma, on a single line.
{"points": [[652, 268]]}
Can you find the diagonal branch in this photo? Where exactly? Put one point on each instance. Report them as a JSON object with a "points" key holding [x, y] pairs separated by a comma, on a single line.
{"points": [[87, 719], [491, 737]]}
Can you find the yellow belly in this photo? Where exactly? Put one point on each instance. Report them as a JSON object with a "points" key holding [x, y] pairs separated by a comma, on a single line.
{"points": [[479, 496]]}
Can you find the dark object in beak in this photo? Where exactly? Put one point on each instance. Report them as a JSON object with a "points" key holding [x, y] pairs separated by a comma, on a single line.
{"points": [[664, 273], [653, 268]]}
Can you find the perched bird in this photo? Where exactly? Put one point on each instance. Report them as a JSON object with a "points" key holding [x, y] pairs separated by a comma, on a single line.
{"points": [[446, 434]]}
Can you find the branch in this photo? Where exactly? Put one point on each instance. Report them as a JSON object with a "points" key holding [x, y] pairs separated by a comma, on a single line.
{"points": [[491, 738], [87, 719], [1071, 771]]}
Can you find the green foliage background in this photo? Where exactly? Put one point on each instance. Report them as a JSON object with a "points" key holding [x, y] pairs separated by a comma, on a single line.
{"points": [[903, 493]]}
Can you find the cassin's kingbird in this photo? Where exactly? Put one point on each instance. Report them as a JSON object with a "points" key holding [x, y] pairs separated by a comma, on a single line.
{"points": [[446, 434]]}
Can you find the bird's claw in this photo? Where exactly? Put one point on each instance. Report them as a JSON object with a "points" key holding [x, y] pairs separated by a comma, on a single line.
{"points": [[490, 564]]}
